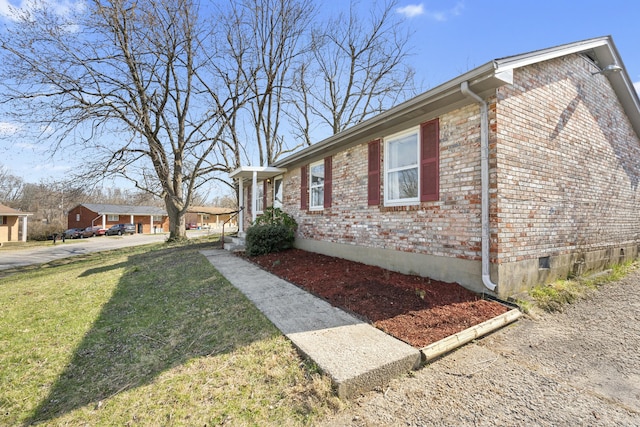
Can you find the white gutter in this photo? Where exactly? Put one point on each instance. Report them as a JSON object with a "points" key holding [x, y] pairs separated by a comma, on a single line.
{"points": [[484, 181]]}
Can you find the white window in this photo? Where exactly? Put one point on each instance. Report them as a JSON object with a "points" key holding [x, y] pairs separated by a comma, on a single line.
{"points": [[401, 160], [156, 218], [316, 186], [260, 197], [113, 218], [277, 192], [77, 217]]}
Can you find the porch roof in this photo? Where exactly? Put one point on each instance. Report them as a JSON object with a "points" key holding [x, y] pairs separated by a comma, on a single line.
{"points": [[7, 211], [262, 172]]}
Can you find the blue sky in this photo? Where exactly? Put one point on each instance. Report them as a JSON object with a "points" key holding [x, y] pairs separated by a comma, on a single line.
{"points": [[450, 38]]}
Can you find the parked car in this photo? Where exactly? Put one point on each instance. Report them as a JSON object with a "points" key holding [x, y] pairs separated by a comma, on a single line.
{"points": [[120, 229], [93, 231], [191, 226], [73, 233]]}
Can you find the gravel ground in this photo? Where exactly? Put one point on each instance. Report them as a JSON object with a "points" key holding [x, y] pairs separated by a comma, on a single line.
{"points": [[576, 368]]}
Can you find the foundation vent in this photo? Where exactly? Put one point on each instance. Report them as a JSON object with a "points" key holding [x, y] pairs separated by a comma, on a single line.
{"points": [[544, 263]]}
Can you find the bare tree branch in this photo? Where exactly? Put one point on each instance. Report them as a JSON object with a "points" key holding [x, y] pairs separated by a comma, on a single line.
{"points": [[357, 69], [126, 80]]}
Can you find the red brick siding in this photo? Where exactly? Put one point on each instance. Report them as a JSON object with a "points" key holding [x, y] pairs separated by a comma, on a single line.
{"points": [[568, 164], [447, 227]]}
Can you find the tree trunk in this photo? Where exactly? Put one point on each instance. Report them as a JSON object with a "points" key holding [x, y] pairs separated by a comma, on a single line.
{"points": [[177, 230]]}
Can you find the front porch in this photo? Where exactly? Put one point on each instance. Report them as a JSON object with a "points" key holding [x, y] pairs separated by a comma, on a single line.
{"points": [[251, 176]]}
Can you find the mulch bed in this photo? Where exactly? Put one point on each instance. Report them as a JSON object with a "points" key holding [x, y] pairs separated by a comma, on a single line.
{"points": [[414, 309]]}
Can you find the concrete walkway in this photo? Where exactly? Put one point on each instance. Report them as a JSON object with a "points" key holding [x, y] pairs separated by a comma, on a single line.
{"points": [[357, 356]]}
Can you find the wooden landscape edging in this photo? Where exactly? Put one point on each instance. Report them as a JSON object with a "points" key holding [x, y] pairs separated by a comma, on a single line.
{"points": [[445, 345]]}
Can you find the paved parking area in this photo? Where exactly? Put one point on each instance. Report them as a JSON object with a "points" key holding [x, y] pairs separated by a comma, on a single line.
{"points": [[38, 255]]}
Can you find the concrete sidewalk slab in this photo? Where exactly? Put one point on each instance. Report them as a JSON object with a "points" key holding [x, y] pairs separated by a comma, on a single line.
{"points": [[357, 356]]}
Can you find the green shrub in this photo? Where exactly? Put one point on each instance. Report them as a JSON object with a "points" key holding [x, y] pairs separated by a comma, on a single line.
{"points": [[264, 239], [273, 231], [271, 216]]}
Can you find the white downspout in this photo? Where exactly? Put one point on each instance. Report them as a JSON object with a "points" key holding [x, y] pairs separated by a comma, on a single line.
{"points": [[484, 182]]}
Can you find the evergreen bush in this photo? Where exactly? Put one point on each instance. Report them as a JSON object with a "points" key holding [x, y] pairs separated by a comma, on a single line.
{"points": [[273, 231]]}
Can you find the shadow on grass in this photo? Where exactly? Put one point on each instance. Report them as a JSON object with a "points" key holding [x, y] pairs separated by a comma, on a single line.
{"points": [[169, 306]]}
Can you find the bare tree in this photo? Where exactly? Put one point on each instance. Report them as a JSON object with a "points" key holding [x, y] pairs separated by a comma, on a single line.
{"points": [[130, 80], [51, 201], [152, 93], [11, 187], [357, 70], [266, 39]]}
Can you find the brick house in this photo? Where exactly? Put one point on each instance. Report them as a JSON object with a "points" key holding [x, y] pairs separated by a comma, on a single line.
{"points": [[211, 217], [10, 228], [519, 172], [147, 219]]}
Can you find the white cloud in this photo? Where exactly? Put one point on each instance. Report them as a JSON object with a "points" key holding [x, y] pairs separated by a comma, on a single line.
{"points": [[12, 9], [29, 146], [8, 10], [411, 10], [8, 129]]}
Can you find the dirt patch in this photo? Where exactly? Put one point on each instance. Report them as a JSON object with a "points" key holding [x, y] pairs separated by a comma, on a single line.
{"points": [[414, 309]]}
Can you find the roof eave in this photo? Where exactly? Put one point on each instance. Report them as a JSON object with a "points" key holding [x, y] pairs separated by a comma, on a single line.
{"points": [[605, 53], [446, 96], [261, 172]]}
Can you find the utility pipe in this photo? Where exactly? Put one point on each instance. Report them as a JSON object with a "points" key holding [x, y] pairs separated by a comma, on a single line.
{"points": [[484, 182]]}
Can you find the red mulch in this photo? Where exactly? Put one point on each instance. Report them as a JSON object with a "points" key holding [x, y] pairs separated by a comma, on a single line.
{"points": [[414, 309]]}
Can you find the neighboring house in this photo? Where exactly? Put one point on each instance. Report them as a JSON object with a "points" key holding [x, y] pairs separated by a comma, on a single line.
{"points": [[147, 219], [211, 217], [519, 172], [10, 229]]}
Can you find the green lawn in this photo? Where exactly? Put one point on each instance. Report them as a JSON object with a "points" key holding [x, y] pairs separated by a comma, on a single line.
{"points": [[150, 335]]}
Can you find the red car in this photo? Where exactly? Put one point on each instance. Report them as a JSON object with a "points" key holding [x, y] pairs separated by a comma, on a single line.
{"points": [[93, 231], [191, 226]]}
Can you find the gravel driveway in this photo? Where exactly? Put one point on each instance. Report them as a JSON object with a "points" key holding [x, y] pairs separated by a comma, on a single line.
{"points": [[576, 368]]}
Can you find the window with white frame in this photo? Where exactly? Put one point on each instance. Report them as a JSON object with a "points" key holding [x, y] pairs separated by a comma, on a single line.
{"points": [[278, 193], [113, 217], [260, 197], [401, 168], [316, 186]]}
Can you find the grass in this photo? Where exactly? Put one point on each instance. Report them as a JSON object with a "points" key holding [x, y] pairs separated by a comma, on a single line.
{"points": [[555, 296], [150, 335]]}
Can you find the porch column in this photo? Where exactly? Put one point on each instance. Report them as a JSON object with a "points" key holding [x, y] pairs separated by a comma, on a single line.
{"points": [[104, 221], [240, 205], [151, 224], [254, 194], [131, 221], [24, 228]]}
